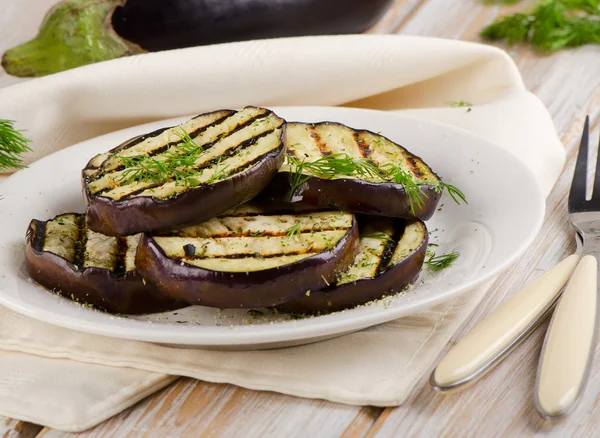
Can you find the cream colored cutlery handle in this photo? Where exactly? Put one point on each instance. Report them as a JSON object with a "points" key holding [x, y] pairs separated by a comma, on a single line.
{"points": [[493, 337], [570, 343]]}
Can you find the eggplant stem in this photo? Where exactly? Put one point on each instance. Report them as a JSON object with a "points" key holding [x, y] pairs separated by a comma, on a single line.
{"points": [[73, 33]]}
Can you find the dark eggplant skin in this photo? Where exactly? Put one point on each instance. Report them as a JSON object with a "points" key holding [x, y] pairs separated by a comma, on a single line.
{"points": [[170, 24], [145, 213], [127, 293], [227, 290], [393, 280], [354, 195]]}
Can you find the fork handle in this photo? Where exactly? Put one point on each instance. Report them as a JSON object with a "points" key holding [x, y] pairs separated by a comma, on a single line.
{"points": [[569, 344], [494, 337]]}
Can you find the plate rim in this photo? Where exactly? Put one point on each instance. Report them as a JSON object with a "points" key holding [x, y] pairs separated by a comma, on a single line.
{"points": [[290, 332]]}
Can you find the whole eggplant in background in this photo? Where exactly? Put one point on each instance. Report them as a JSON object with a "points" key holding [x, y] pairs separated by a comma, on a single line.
{"points": [[79, 32]]}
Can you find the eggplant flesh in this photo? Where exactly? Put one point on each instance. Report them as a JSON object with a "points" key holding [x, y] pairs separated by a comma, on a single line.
{"points": [[168, 24], [249, 258], [366, 194], [63, 255], [233, 157], [390, 257]]}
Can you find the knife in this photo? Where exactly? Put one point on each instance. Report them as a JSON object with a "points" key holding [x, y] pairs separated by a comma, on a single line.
{"points": [[500, 332]]}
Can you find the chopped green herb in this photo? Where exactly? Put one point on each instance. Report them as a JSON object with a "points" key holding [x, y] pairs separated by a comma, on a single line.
{"points": [[459, 104]]}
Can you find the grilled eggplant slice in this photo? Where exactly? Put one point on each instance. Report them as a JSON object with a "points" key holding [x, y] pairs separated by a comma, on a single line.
{"points": [[249, 258], [353, 170], [390, 257], [65, 256], [183, 175]]}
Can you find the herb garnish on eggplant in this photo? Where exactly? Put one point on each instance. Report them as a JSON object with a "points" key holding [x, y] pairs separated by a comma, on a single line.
{"points": [[390, 257], [65, 256], [249, 257], [183, 175], [331, 165], [79, 32]]}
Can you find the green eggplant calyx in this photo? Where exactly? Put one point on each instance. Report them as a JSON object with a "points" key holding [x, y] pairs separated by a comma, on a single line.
{"points": [[73, 33]]}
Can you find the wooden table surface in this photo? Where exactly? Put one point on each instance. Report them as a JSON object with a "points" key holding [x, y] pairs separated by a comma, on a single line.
{"points": [[501, 403]]}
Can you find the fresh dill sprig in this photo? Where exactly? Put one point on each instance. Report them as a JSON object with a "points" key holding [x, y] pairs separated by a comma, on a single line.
{"points": [[176, 164], [297, 175], [438, 263], [456, 195], [334, 165], [142, 168], [395, 173], [185, 153], [551, 25], [12, 145], [294, 230]]}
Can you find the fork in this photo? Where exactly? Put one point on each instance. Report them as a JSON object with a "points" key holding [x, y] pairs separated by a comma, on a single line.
{"points": [[573, 328], [571, 338]]}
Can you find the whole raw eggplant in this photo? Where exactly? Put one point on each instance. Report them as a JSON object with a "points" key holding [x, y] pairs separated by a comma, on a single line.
{"points": [[79, 32]]}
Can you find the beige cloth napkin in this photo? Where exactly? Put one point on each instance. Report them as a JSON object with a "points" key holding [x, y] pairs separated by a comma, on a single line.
{"points": [[71, 381]]}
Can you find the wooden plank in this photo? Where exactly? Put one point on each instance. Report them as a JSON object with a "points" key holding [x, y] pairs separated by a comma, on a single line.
{"points": [[399, 12], [363, 422], [199, 409], [10, 428]]}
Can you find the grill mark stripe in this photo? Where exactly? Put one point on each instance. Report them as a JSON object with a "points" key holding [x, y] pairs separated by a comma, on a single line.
{"points": [[251, 256], [80, 242], [162, 149], [138, 140], [323, 149], [413, 166], [249, 234], [119, 267], [39, 236], [278, 212], [192, 134], [390, 248], [363, 147], [230, 153]]}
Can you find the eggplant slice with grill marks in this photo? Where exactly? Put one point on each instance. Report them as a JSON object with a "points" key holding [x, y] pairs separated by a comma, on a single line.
{"points": [[183, 175], [390, 257], [376, 176], [63, 255], [249, 258]]}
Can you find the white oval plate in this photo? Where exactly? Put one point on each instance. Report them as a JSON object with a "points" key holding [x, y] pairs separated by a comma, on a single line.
{"points": [[505, 211]]}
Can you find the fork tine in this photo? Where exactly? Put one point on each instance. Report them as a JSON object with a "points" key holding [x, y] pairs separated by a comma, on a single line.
{"points": [[596, 190], [578, 186]]}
